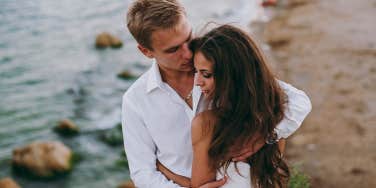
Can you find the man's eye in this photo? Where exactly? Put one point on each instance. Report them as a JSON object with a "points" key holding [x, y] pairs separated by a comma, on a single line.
{"points": [[172, 50]]}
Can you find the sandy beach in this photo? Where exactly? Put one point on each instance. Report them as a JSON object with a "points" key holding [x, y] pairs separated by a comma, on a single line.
{"points": [[328, 49]]}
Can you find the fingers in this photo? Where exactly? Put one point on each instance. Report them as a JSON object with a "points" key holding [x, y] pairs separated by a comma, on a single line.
{"points": [[215, 184]]}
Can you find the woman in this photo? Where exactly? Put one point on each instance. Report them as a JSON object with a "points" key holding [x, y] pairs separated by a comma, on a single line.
{"points": [[246, 101]]}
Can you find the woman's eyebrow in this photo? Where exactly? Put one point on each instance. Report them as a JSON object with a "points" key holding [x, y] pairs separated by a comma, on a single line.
{"points": [[204, 70]]}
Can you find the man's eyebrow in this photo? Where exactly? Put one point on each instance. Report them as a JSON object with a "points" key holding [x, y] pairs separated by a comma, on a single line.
{"points": [[173, 48]]}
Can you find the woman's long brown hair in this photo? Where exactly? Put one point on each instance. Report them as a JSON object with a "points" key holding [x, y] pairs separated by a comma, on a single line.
{"points": [[247, 102]]}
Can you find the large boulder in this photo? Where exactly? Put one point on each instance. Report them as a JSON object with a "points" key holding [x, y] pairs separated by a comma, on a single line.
{"points": [[43, 159], [105, 40], [66, 127], [8, 183]]}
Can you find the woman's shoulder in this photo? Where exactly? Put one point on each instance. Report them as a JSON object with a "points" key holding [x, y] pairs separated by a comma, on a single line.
{"points": [[202, 125], [207, 115]]}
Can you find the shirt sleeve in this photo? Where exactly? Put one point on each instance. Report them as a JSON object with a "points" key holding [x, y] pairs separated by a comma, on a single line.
{"points": [[140, 149], [297, 109]]}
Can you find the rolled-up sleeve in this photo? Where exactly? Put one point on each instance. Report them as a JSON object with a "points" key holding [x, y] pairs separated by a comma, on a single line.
{"points": [[140, 149], [297, 109]]}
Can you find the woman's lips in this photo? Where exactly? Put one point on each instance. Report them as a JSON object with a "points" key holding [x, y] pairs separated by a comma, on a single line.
{"points": [[205, 91]]}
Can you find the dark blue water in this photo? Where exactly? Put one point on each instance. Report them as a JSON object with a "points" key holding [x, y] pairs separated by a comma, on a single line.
{"points": [[50, 70]]}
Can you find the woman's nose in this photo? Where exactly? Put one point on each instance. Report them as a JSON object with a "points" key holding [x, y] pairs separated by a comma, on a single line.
{"points": [[198, 80]]}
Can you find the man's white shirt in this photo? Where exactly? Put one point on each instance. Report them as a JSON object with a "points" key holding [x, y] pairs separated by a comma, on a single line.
{"points": [[156, 124]]}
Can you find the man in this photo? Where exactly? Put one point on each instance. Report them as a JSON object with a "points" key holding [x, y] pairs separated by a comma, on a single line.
{"points": [[158, 108]]}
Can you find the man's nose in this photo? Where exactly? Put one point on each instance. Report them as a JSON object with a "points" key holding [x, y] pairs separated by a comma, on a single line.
{"points": [[186, 52]]}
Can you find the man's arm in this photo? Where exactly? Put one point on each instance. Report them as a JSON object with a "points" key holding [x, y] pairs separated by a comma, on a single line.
{"points": [[297, 109], [140, 149]]}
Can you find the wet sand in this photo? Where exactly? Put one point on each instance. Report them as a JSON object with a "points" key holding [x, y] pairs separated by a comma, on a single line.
{"points": [[328, 49]]}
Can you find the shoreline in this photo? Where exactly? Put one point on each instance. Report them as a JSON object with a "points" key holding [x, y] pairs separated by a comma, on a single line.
{"points": [[327, 49]]}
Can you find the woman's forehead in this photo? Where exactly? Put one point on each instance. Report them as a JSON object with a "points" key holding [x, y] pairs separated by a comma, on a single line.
{"points": [[201, 62]]}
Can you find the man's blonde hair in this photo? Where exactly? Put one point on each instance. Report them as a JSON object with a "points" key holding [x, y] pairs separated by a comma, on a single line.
{"points": [[146, 16]]}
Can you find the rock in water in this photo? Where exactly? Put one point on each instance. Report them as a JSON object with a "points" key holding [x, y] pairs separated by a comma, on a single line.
{"points": [[8, 183], [126, 75], [115, 42], [66, 127], [113, 136], [43, 159], [105, 40]]}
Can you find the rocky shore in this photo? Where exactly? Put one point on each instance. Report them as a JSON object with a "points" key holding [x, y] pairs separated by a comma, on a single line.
{"points": [[328, 49]]}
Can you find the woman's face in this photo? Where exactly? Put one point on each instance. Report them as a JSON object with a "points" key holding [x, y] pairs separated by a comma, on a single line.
{"points": [[204, 75]]}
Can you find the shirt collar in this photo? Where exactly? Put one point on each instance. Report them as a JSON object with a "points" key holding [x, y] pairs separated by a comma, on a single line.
{"points": [[155, 79]]}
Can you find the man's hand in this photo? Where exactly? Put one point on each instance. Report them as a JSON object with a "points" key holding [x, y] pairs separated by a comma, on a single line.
{"points": [[248, 149], [253, 146]]}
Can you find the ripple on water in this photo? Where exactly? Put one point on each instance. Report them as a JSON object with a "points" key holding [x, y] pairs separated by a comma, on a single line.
{"points": [[12, 72], [5, 59]]}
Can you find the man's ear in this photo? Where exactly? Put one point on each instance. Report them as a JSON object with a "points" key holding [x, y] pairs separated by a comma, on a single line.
{"points": [[148, 53]]}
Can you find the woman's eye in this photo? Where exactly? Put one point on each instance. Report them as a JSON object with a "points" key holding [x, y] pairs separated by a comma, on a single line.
{"points": [[207, 75]]}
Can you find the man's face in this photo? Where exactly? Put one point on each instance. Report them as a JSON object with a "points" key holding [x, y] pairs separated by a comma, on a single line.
{"points": [[170, 47]]}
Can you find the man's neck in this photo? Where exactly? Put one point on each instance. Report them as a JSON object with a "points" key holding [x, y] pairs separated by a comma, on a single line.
{"points": [[181, 82], [171, 76]]}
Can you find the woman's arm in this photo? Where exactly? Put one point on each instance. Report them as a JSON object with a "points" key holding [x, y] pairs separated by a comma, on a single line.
{"points": [[202, 173], [178, 179], [186, 182]]}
